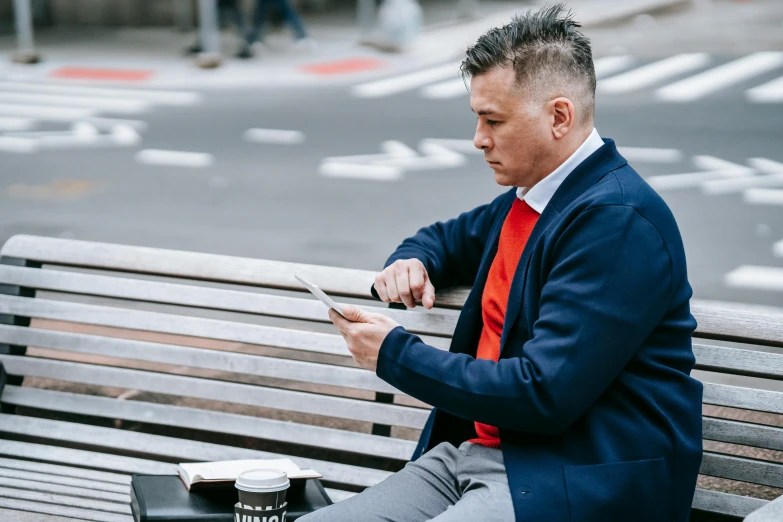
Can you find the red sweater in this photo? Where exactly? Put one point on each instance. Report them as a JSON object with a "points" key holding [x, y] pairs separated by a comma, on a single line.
{"points": [[516, 230]]}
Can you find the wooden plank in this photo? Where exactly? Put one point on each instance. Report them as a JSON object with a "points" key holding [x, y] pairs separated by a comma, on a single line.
{"points": [[59, 489], [173, 448], [354, 409], [338, 495], [738, 361], [771, 512], [306, 308], [101, 477], [193, 265], [91, 459], [259, 365], [746, 434], [60, 511], [174, 324], [7, 515], [738, 325], [725, 503], [219, 422], [742, 468], [48, 478], [64, 500], [743, 398]]}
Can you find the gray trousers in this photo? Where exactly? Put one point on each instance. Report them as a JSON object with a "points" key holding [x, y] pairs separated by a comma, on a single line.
{"points": [[446, 484]]}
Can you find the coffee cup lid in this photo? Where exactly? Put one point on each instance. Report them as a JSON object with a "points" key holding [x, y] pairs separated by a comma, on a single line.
{"points": [[262, 480]]}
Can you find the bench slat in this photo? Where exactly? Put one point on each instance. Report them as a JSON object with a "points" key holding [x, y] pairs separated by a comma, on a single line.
{"points": [[174, 448], [59, 489], [354, 409], [742, 468], [45, 478], [213, 298], [85, 476], [738, 361], [738, 325], [746, 434], [58, 511], [726, 503], [65, 500], [77, 457], [6, 515], [743, 398], [196, 358], [214, 421]]}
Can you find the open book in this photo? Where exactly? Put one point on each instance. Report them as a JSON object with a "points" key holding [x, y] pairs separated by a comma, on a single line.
{"points": [[195, 474]]}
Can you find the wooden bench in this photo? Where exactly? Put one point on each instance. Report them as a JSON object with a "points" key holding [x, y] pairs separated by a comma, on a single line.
{"points": [[128, 360]]}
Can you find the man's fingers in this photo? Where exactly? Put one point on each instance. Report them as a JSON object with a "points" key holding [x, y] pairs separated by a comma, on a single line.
{"points": [[380, 287], [391, 288], [416, 276], [428, 298], [404, 287]]}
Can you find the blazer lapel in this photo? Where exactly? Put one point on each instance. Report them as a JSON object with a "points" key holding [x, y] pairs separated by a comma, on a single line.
{"points": [[584, 176]]}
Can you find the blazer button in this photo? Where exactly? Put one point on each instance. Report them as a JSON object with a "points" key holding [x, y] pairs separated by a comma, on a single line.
{"points": [[524, 491]]}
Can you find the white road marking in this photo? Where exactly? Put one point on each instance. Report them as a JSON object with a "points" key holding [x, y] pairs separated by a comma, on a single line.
{"points": [[777, 248], [16, 124], [357, 171], [447, 89], [755, 277], [121, 105], [81, 135], [160, 97], [770, 92], [174, 158], [611, 64], [712, 168], [406, 82], [46, 112], [727, 186], [650, 155], [654, 73], [720, 77], [283, 137], [763, 196]]}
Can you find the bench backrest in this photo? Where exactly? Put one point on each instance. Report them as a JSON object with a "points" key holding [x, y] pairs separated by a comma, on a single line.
{"points": [[231, 358]]}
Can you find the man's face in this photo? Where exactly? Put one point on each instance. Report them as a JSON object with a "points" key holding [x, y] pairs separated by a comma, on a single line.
{"points": [[513, 135]]}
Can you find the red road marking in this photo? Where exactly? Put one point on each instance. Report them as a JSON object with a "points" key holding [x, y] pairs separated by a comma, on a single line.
{"points": [[349, 65], [91, 73]]}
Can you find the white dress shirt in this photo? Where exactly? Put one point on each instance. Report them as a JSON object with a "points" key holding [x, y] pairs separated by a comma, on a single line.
{"points": [[538, 197]]}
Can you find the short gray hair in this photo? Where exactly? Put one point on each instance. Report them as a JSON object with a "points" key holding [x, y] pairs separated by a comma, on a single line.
{"points": [[548, 53]]}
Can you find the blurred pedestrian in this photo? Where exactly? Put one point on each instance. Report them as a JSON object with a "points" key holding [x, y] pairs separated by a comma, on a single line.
{"points": [[290, 16], [229, 12]]}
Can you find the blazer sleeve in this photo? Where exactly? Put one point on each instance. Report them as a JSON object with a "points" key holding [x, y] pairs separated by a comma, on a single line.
{"points": [[609, 287], [451, 251]]}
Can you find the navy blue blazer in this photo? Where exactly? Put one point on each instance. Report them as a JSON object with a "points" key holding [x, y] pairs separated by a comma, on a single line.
{"points": [[599, 418]]}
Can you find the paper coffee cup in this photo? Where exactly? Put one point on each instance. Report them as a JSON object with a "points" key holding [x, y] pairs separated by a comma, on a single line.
{"points": [[262, 489]]}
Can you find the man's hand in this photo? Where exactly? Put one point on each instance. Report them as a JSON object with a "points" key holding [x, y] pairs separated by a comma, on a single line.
{"points": [[405, 281], [364, 332]]}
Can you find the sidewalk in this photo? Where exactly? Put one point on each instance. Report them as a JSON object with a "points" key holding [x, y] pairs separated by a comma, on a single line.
{"points": [[153, 57]]}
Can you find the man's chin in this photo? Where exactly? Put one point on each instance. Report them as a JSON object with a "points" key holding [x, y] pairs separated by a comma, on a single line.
{"points": [[502, 180]]}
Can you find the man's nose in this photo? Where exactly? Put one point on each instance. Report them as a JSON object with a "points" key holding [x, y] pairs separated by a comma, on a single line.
{"points": [[481, 141]]}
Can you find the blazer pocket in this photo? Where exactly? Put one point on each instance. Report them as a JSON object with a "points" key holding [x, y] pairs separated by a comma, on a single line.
{"points": [[632, 490]]}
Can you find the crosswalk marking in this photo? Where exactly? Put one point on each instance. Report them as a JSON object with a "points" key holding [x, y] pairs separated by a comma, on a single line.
{"points": [[447, 89], [770, 92], [120, 105], [777, 248], [175, 158], [278, 136], [763, 196], [756, 277], [650, 155], [611, 64], [46, 112], [713, 168], [713, 80], [774, 178], [154, 96], [15, 124], [654, 73], [406, 82]]}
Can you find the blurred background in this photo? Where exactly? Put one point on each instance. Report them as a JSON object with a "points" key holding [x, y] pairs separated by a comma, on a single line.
{"points": [[344, 129]]}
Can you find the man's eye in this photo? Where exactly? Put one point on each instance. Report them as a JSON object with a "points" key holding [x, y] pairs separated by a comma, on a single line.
{"points": [[491, 122]]}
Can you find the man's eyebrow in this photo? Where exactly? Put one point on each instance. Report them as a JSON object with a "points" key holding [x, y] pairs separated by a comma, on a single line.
{"points": [[484, 112]]}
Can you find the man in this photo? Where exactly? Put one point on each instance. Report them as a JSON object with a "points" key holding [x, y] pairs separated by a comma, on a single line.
{"points": [[566, 393]]}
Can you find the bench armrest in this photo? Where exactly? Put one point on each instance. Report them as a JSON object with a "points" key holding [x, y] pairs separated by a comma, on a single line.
{"points": [[772, 512]]}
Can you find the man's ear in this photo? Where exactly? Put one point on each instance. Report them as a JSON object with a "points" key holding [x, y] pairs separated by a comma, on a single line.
{"points": [[563, 113]]}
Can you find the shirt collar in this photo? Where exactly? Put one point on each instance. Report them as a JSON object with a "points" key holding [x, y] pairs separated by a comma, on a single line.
{"points": [[538, 197]]}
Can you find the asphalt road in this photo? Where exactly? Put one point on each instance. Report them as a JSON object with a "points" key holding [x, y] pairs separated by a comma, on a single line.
{"points": [[270, 200]]}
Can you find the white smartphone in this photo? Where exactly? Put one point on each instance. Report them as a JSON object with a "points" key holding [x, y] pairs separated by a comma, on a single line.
{"points": [[325, 299]]}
